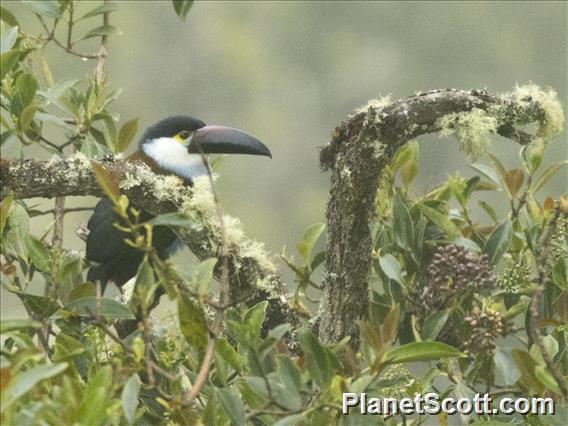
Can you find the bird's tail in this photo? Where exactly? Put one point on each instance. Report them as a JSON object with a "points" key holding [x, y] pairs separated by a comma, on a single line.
{"points": [[98, 273]]}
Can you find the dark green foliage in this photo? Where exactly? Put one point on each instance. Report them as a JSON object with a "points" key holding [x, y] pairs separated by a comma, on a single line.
{"points": [[446, 288]]}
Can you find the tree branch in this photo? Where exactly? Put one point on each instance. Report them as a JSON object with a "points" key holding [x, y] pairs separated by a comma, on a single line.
{"points": [[250, 269], [364, 144]]}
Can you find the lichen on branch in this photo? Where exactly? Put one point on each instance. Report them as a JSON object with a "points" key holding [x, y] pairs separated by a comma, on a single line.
{"points": [[362, 146], [252, 272]]}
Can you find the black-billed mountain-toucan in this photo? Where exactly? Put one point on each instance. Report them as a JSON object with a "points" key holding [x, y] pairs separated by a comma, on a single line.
{"points": [[173, 146]]}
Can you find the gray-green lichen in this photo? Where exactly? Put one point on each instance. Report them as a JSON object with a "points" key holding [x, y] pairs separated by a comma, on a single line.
{"points": [[370, 139], [471, 128], [553, 122], [198, 203], [375, 104]]}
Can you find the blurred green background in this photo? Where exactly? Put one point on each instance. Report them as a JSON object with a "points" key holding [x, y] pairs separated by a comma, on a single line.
{"points": [[289, 72]]}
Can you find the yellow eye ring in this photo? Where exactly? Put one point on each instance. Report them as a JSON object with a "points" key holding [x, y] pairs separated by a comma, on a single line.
{"points": [[182, 136]]}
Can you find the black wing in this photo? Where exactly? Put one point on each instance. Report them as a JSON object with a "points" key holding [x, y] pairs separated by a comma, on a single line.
{"points": [[117, 261]]}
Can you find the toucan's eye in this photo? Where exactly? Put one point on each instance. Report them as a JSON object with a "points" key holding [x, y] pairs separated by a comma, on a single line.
{"points": [[182, 136]]}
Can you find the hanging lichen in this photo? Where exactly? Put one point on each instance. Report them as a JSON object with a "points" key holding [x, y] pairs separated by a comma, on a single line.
{"points": [[472, 130], [553, 122]]}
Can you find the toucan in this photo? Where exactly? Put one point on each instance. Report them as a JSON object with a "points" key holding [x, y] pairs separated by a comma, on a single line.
{"points": [[173, 146]]}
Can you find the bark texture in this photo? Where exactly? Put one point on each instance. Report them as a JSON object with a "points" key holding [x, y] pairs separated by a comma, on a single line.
{"points": [[358, 151]]}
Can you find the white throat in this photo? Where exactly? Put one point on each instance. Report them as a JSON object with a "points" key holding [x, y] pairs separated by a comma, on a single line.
{"points": [[172, 156]]}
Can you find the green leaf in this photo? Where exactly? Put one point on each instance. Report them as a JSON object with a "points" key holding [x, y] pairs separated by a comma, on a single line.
{"points": [[86, 289], [488, 172], [434, 324], [317, 360], [289, 373], [254, 318], [103, 30], [26, 381], [9, 60], [26, 88], [67, 347], [41, 307], [489, 210], [468, 244], [505, 369], [229, 354], [46, 72], [39, 254], [531, 155], [560, 273], [175, 219], [129, 397], [470, 186], [422, 351], [53, 119], [5, 211], [526, 365], [94, 404], [442, 221], [17, 324], [92, 149], [107, 180], [99, 10], [27, 116], [8, 39], [15, 232], [309, 239], [514, 180], [233, 405], [318, 259], [498, 242], [202, 275], [145, 285], [192, 322], [8, 17], [548, 174], [409, 168], [87, 307], [547, 379], [49, 8], [126, 134], [403, 226], [111, 130], [391, 267], [182, 7]]}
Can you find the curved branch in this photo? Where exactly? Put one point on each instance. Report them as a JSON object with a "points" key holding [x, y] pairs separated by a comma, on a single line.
{"points": [[363, 145], [251, 271]]}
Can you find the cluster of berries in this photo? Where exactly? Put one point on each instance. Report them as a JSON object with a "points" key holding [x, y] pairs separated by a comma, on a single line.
{"points": [[455, 271], [515, 278], [486, 326]]}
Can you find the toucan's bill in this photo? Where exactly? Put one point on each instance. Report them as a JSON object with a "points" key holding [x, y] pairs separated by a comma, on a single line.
{"points": [[225, 140]]}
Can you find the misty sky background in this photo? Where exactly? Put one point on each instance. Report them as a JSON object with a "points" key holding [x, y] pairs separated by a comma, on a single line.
{"points": [[289, 72]]}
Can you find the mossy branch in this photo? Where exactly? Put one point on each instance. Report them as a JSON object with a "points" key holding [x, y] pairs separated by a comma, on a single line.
{"points": [[251, 270], [363, 145]]}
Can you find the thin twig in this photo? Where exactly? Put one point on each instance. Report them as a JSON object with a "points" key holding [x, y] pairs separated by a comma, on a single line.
{"points": [[223, 296], [149, 362], [102, 54], [66, 210], [51, 37], [516, 210]]}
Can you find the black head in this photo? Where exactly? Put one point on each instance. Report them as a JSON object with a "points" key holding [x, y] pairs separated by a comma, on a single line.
{"points": [[170, 127]]}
